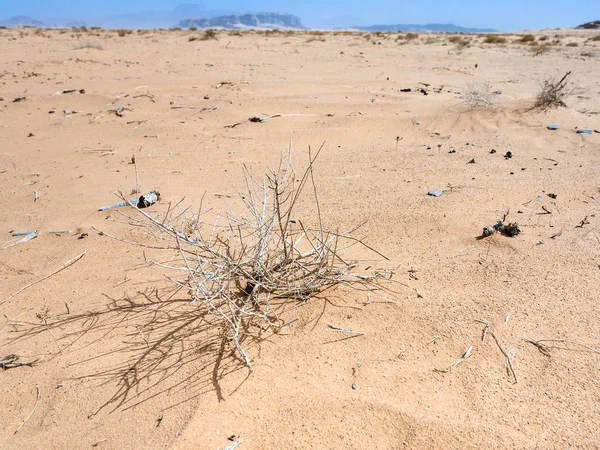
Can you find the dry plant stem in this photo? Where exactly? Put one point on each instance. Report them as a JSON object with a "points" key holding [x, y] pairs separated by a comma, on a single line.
{"points": [[465, 355], [545, 348], [37, 399], [64, 266], [137, 182], [344, 330], [509, 362]]}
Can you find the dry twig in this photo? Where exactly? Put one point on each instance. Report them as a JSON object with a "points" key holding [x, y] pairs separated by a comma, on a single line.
{"points": [[465, 355], [64, 266], [509, 362], [37, 399]]}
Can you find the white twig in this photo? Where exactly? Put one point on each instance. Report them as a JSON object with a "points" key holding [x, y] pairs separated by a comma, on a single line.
{"points": [[64, 266], [37, 399], [344, 330]]}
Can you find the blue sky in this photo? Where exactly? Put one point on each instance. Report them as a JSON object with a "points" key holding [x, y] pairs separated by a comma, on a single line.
{"points": [[504, 15]]}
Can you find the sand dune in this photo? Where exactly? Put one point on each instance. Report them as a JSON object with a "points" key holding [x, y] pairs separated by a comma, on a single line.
{"points": [[124, 362]]}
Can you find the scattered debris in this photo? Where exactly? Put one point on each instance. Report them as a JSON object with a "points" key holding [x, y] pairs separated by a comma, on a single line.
{"points": [[510, 230], [12, 361], [585, 221], [141, 202], [552, 195], [584, 131], [234, 445], [233, 126], [119, 111], [68, 91], [151, 135], [29, 236], [553, 126], [19, 99], [435, 193]]}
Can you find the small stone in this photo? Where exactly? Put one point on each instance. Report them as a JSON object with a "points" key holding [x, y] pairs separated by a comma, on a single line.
{"points": [[471, 161], [354, 386], [492, 151]]}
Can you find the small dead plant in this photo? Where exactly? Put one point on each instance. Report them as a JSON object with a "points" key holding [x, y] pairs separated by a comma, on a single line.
{"points": [[98, 45], [245, 269], [552, 93], [478, 94]]}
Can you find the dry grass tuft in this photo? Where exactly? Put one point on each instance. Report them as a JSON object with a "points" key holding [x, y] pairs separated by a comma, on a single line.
{"points": [[247, 269], [478, 94], [526, 39], [98, 45], [494, 39]]}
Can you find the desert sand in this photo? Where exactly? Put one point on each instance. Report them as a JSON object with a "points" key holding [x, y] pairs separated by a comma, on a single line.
{"points": [[120, 364]]}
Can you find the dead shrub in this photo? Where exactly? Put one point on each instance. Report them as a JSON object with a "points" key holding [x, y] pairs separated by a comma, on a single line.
{"points": [[552, 93], [478, 94], [572, 44], [526, 39], [494, 39], [542, 48], [246, 270], [98, 45], [209, 34]]}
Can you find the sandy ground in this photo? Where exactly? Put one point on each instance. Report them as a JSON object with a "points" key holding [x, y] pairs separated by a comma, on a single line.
{"points": [[120, 363]]}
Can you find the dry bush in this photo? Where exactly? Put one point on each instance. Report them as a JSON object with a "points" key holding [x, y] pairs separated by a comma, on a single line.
{"points": [[98, 45], [411, 36], [318, 39], [478, 94], [122, 33], [432, 40], [542, 48], [207, 35], [543, 38], [552, 93], [246, 269], [595, 39], [572, 44], [494, 39], [526, 39]]}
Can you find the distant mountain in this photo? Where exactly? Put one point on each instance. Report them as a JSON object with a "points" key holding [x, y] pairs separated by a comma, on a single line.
{"points": [[595, 25], [19, 21], [428, 28], [241, 21]]}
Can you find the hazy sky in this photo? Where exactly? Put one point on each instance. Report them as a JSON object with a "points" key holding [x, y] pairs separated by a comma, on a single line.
{"points": [[504, 15]]}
